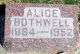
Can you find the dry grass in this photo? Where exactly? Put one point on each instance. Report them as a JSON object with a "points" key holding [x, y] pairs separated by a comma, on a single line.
{"points": [[9, 1]]}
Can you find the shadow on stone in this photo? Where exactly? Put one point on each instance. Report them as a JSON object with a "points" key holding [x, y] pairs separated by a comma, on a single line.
{"points": [[2, 23]]}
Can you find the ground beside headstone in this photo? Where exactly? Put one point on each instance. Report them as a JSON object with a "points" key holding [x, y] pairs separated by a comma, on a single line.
{"points": [[2, 50]]}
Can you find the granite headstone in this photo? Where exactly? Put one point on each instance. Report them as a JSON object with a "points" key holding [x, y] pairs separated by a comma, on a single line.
{"points": [[41, 27]]}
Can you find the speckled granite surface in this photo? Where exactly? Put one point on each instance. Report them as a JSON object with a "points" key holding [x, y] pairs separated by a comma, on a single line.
{"points": [[42, 44]]}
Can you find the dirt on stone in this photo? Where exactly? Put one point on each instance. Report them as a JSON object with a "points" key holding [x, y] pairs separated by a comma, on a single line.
{"points": [[3, 51]]}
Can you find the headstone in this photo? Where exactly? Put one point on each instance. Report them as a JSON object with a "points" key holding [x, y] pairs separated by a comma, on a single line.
{"points": [[41, 27]]}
